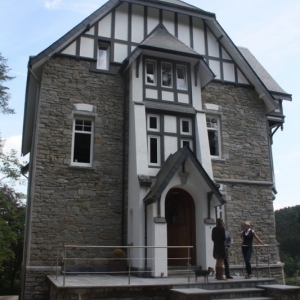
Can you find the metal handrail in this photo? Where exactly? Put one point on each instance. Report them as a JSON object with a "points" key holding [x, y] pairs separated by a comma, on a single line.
{"points": [[129, 259], [256, 255]]}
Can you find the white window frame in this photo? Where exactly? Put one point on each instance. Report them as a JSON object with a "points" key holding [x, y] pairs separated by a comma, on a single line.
{"points": [[158, 163], [190, 126], [171, 67], [218, 129], [147, 61], [157, 129], [91, 133], [184, 79], [105, 60]]}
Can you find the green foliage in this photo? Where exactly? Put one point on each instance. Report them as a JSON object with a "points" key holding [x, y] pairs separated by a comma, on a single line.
{"points": [[4, 95], [12, 220], [287, 234], [10, 168]]}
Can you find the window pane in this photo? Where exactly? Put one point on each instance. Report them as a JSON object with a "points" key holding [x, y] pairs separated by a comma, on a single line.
{"points": [[166, 74], [150, 69], [212, 123], [82, 147], [186, 143], [213, 142], [181, 81], [185, 126], [78, 125], [102, 58], [153, 122], [153, 151]]}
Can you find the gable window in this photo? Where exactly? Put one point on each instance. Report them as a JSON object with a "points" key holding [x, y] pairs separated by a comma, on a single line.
{"points": [[150, 72], [82, 144], [166, 74], [103, 56], [181, 78], [213, 130]]}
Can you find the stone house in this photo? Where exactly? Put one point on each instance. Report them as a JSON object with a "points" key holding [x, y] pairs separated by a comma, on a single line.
{"points": [[145, 123]]}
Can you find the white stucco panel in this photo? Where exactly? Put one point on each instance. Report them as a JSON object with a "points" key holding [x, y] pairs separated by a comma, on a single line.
{"points": [[104, 27], [170, 124], [213, 46], [171, 145], [167, 96], [91, 31], [87, 47], [215, 67], [184, 29], [121, 22], [71, 49], [183, 98], [137, 28], [153, 19], [151, 94], [120, 52], [198, 36], [168, 21], [228, 69], [242, 78]]}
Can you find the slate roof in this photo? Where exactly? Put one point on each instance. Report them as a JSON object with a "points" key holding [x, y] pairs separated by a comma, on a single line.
{"points": [[169, 169], [262, 73], [170, 107], [161, 39]]}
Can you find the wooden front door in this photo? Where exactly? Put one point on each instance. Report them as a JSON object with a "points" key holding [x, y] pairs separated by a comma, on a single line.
{"points": [[180, 217]]}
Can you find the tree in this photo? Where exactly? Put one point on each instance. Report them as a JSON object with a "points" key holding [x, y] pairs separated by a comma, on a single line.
{"points": [[12, 221], [4, 95]]}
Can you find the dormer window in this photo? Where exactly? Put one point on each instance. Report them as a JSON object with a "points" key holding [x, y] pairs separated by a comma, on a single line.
{"points": [[103, 56], [166, 74]]}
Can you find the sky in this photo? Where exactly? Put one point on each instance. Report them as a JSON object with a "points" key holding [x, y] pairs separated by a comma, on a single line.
{"points": [[268, 28]]}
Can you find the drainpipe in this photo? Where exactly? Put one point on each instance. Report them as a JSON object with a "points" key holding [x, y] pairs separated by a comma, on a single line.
{"points": [[146, 237]]}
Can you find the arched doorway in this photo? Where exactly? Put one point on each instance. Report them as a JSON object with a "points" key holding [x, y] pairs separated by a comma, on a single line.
{"points": [[180, 217]]}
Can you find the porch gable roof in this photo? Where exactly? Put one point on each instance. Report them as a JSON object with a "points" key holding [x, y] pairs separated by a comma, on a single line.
{"points": [[169, 169]]}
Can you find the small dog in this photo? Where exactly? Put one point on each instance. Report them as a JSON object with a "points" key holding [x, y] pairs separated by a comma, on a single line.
{"points": [[205, 273]]}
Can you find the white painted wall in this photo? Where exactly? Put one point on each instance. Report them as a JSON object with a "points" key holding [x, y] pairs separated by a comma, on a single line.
{"points": [[198, 34], [153, 19], [169, 21]]}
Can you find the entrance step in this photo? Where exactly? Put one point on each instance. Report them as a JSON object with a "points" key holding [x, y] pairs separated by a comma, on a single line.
{"points": [[224, 294]]}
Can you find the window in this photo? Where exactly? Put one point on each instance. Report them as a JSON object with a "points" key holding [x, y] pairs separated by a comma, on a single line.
{"points": [[102, 57], [154, 150], [82, 146], [181, 78], [186, 126], [153, 122], [150, 72], [166, 74], [213, 130]]}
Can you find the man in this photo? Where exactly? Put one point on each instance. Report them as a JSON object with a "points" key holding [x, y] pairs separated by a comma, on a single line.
{"points": [[227, 245]]}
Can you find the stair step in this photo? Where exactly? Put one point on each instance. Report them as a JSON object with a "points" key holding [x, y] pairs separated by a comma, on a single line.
{"points": [[256, 298]]}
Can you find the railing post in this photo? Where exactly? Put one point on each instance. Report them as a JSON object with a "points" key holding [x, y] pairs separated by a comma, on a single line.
{"points": [[129, 265], [56, 261], [65, 262], [269, 262], [256, 262], [188, 265]]}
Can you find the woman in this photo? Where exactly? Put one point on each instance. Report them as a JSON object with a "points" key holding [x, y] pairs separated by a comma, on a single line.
{"points": [[247, 238], [218, 236]]}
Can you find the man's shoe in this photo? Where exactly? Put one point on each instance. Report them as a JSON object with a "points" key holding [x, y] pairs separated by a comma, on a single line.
{"points": [[229, 277]]}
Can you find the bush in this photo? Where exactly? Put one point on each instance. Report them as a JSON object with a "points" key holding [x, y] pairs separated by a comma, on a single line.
{"points": [[118, 253]]}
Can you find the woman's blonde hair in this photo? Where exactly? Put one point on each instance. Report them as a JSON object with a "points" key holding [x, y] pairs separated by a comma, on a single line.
{"points": [[248, 223]]}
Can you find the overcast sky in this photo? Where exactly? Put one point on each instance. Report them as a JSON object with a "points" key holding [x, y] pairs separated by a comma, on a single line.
{"points": [[268, 28]]}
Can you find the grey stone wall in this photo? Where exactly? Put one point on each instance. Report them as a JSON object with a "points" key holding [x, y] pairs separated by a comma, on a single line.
{"points": [[75, 205], [245, 167]]}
